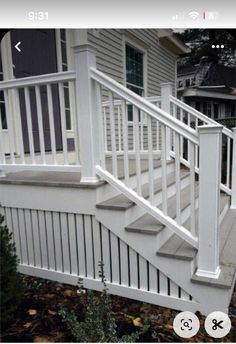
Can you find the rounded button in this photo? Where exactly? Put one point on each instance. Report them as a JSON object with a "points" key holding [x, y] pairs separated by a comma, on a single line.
{"points": [[217, 324], [186, 324]]}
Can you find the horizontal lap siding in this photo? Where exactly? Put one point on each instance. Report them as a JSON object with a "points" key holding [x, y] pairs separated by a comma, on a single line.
{"points": [[160, 62], [110, 60]]}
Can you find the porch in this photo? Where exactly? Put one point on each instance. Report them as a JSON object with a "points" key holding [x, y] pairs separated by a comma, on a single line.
{"points": [[150, 191]]}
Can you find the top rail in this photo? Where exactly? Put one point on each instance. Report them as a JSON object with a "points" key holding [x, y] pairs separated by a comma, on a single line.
{"points": [[38, 80], [118, 102], [144, 105], [199, 115]]}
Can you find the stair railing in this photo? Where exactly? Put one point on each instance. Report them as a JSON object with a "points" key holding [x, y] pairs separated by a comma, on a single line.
{"points": [[93, 87], [193, 119]]}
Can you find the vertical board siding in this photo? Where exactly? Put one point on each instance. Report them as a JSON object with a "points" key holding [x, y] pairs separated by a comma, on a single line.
{"points": [[75, 244]]}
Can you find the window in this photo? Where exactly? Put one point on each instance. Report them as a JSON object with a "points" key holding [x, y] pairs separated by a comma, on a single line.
{"points": [[187, 82], [216, 111], [2, 100], [64, 68], [134, 73]]}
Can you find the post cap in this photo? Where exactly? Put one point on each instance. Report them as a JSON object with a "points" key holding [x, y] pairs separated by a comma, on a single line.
{"points": [[84, 47], [210, 129]]}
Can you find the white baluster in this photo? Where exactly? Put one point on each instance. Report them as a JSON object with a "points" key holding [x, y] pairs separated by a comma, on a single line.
{"points": [[192, 188], [125, 142], [63, 122], [51, 124], [177, 177], [29, 124], [163, 169], [137, 149], [2, 152], [228, 162], [40, 124], [150, 161], [113, 135]]}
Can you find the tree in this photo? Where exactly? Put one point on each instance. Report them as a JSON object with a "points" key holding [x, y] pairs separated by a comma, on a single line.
{"points": [[201, 40], [10, 280]]}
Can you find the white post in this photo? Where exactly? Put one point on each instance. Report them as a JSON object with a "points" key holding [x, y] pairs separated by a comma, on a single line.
{"points": [[166, 92], [233, 198], [209, 199], [88, 121]]}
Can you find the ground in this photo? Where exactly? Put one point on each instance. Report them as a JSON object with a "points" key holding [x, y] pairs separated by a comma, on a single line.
{"points": [[37, 319]]}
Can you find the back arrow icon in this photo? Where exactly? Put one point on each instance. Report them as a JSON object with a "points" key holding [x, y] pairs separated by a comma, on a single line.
{"points": [[17, 46]]}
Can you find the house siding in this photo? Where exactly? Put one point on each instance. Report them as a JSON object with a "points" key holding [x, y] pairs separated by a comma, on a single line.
{"points": [[110, 56]]}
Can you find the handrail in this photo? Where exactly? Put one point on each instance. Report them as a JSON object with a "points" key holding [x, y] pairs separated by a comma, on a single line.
{"points": [[199, 115], [38, 80], [144, 204], [144, 105], [118, 102]]}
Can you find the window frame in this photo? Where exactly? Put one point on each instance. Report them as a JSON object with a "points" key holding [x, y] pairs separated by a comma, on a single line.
{"points": [[132, 42]]}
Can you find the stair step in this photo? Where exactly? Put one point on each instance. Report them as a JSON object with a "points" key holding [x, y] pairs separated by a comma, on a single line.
{"points": [[121, 202], [149, 225], [145, 224], [132, 166], [227, 255], [178, 248]]}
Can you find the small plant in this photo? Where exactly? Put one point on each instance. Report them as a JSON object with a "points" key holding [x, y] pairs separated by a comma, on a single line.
{"points": [[98, 323], [10, 282]]}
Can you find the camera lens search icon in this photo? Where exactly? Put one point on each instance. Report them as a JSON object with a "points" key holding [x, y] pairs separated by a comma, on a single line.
{"points": [[186, 324]]}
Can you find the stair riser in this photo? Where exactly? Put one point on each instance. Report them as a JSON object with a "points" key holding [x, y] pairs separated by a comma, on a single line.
{"points": [[133, 213], [106, 192], [179, 271]]}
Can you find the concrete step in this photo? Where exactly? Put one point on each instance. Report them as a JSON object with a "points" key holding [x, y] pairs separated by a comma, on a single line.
{"points": [[121, 202], [178, 248], [149, 225]]}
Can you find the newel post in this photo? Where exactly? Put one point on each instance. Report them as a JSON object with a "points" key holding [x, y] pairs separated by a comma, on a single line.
{"points": [[87, 116], [233, 198], [210, 137], [166, 92]]}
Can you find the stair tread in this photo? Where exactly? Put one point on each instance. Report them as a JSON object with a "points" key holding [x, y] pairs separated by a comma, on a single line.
{"points": [[148, 223], [121, 202], [178, 248]]}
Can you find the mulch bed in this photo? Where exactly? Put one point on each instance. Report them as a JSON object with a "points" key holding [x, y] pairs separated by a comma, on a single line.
{"points": [[37, 318]]}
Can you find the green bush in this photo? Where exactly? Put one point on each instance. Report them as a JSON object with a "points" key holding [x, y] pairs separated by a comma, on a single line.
{"points": [[98, 322], [10, 282]]}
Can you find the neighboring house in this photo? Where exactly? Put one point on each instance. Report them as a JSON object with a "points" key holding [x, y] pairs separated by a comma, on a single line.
{"points": [[99, 161], [211, 89]]}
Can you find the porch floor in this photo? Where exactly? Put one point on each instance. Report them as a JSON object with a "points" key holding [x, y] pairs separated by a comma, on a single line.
{"points": [[72, 179]]}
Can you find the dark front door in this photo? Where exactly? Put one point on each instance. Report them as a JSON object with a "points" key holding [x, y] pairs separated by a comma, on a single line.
{"points": [[37, 57]]}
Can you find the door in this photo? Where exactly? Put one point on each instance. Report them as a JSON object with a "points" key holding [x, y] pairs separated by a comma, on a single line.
{"points": [[37, 57]]}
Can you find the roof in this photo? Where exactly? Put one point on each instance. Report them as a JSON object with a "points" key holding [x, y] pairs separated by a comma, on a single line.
{"points": [[169, 40], [220, 75]]}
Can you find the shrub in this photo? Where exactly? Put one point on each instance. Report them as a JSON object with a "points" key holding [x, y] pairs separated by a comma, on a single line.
{"points": [[98, 323], [10, 282]]}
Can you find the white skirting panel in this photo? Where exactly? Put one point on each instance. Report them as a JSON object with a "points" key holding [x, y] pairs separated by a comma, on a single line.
{"points": [[65, 246]]}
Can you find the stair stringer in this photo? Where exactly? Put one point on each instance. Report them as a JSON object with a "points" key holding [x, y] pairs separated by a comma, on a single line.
{"points": [[207, 298]]}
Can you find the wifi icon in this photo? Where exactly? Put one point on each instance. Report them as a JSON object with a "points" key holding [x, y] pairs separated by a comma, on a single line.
{"points": [[193, 14]]}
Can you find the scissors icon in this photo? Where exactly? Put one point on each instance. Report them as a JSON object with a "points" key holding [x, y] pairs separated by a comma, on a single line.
{"points": [[216, 324]]}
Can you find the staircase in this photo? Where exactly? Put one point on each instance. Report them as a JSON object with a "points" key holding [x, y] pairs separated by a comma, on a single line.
{"points": [[157, 198], [162, 248]]}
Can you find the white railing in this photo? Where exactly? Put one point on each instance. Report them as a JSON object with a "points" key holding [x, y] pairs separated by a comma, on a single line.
{"points": [[193, 119], [118, 94], [36, 123], [119, 130]]}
